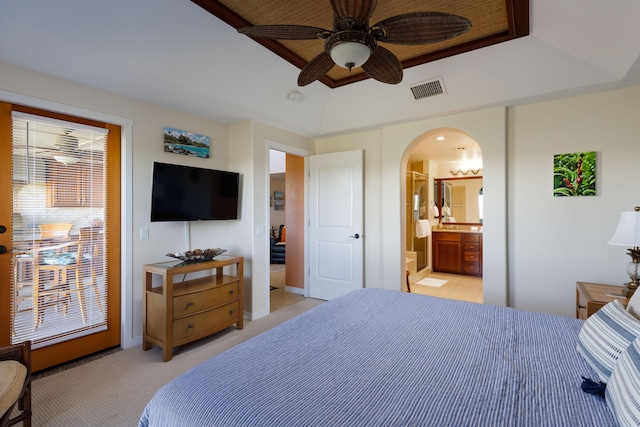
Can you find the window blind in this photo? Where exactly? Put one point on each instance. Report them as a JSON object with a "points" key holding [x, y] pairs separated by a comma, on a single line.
{"points": [[59, 269]]}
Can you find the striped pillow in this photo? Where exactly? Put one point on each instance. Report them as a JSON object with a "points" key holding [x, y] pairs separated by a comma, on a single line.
{"points": [[633, 306], [605, 336], [623, 390]]}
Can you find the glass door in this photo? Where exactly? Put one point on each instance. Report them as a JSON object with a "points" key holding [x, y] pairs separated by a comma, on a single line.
{"points": [[63, 227]]}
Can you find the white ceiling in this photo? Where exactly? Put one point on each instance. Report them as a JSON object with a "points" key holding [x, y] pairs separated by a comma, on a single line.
{"points": [[173, 53]]}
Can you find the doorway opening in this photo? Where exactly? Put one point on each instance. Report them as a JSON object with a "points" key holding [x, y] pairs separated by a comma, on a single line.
{"points": [[444, 215], [286, 217]]}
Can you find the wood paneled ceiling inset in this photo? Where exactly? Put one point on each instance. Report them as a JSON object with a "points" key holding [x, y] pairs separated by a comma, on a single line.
{"points": [[493, 21]]}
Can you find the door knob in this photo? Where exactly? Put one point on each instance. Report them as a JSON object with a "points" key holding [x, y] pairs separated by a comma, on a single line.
{"points": [[355, 236]]}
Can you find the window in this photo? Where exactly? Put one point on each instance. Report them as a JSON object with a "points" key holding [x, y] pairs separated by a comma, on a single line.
{"points": [[59, 272]]}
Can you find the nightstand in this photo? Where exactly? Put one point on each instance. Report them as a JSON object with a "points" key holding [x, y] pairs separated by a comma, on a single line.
{"points": [[590, 297]]}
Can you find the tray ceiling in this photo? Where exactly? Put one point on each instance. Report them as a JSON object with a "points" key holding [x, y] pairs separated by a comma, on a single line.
{"points": [[493, 21]]}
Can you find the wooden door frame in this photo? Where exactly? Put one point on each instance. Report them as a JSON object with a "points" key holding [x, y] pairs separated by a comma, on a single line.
{"points": [[59, 353]]}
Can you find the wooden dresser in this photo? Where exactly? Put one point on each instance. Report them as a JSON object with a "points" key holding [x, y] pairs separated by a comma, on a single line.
{"points": [[591, 297], [457, 252], [178, 312]]}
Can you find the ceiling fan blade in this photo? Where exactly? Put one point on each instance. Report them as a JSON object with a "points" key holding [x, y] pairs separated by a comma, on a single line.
{"points": [[384, 66], [358, 9], [316, 68], [284, 32], [420, 28]]}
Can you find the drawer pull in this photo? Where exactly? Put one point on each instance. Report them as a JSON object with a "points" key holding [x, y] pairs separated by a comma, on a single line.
{"points": [[230, 312], [189, 304], [581, 307], [189, 326]]}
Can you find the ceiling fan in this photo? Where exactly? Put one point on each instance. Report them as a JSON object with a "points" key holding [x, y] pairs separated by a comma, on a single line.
{"points": [[67, 148], [353, 43]]}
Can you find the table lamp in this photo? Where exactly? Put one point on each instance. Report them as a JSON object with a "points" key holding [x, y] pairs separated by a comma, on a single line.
{"points": [[628, 234]]}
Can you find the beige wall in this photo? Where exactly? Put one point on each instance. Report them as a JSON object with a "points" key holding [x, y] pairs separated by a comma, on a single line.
{"points": [[535, 246], [249, 145], [143, 125], [551, 242]]}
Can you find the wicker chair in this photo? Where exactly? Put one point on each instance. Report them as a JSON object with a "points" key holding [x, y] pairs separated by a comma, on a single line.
{"points": [[17, 389], [58, 230]]}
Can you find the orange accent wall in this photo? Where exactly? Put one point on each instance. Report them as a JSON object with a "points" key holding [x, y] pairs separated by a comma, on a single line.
{"points": [[294, 190]]}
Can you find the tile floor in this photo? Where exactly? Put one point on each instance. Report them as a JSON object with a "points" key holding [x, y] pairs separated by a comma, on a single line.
{"points": [[463, 288], [278, 297], [458, 287]]}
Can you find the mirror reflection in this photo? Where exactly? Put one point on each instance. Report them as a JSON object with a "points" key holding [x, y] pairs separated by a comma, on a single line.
{"points": [[459, 200], [420, 201]]}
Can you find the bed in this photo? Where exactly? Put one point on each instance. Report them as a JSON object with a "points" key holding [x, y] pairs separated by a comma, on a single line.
{"points": [[386, 358]]}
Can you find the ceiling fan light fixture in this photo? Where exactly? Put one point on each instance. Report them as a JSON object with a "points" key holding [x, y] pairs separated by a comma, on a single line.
{"points": [[350, 49], [66, 160], [350, 54], [68, 146], [353, 43]]}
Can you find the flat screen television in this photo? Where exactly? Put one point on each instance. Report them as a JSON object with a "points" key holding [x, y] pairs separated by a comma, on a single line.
{"points": [[186, 193]]}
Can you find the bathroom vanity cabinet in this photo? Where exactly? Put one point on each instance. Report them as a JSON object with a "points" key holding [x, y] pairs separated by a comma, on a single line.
{"points": [[458, 252]]}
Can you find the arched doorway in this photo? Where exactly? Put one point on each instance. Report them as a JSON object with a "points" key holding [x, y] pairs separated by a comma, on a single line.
{"points": [[444, 215]]}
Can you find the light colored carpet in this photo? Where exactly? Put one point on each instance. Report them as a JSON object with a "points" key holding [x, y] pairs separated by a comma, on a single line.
{"points": [[428, 281], [113, 390]]}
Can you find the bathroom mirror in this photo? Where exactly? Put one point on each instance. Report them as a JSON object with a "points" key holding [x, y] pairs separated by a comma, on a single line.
{"points": [[459, 200], [420, 200]]}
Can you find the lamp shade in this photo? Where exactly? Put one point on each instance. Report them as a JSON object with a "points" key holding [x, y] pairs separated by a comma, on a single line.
{"points": [[628, 231], [350, 54]]}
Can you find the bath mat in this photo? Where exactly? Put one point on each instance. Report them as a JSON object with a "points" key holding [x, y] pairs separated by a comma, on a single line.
{"points": [[432, 282]]}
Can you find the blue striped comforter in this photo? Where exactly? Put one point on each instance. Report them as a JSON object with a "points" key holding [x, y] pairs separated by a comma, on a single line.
{"points": [[385, 358]]}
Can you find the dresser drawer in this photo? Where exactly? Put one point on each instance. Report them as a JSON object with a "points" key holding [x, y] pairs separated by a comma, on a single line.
{"points": [[472, 237], [591, 297], [200, 324], [447, 236], [184, 305], [472, 256], [472, 268], [582, 309], [472, 247]]}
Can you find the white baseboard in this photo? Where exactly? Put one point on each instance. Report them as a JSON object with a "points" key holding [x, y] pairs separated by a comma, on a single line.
{"points": [[294, 290]]}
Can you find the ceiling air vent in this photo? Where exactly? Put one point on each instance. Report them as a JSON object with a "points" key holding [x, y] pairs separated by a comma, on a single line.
{"points": [[428, 89]]}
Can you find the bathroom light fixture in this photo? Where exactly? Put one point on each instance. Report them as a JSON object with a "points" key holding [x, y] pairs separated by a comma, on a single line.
{"points": [[440, 138], [466, 172], [628, 234]]}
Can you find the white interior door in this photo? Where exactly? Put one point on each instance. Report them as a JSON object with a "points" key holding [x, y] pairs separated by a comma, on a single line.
{"points": [[335, 224]]}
